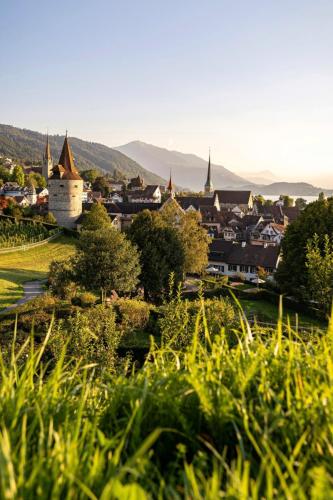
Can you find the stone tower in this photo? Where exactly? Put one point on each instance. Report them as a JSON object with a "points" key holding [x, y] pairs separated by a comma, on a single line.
{"points": [[47, 160], [209, 189], [65, 189]]}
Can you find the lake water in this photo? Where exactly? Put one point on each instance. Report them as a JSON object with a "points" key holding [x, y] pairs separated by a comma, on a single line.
{"points": [[274, 197]]}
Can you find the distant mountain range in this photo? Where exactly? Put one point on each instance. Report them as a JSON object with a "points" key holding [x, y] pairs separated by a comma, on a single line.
{"points": [[188, 170], [23, 144], [262, 177], [151, 162]]}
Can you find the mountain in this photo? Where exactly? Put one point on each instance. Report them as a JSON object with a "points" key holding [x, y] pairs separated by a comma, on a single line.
{"points": [[187, 169], [262, 177], [23, 144], [289, 188]]}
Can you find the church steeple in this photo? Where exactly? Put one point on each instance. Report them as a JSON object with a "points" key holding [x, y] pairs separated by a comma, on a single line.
{"points": [[209, 185], [170, 187], [47, 160]]}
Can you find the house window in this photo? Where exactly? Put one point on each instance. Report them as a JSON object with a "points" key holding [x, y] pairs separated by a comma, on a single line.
{"points": [[220, 268], [253, 269], [61, 185], [76, 186], [244, 269], [232, 267], [55, 195]]}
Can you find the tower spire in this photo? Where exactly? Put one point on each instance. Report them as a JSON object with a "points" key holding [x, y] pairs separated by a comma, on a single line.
{"points": [[170, 187], [66, 157], [47, 154], [209, 185]]}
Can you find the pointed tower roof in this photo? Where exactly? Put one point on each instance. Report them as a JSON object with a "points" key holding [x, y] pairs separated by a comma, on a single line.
{"points": [[209, 184], [47, 154], [170, 186], [66, 168], [66, 157]]}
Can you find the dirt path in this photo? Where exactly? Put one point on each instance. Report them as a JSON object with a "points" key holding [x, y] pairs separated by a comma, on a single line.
{"points": [[31, 290]]}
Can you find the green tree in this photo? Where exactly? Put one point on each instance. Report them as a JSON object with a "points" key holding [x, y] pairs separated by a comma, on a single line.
{"points": [[287, 201], [260, 199], [292, 274], [50, 219], [4, 174], [97, 218], [161, 252], [18, 175], [107, 260], [193, 236], [319, 263], [90, 175], [101, 184], [268, 203], [195, 241], [300, 203]]}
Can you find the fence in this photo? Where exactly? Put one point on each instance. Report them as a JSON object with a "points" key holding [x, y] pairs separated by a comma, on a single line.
{"points": [[30, 245]]}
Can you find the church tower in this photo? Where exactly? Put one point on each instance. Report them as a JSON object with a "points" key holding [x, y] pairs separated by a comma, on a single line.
{"points": [[170, 189], [209, 185], [47, 160], [65, 189]]}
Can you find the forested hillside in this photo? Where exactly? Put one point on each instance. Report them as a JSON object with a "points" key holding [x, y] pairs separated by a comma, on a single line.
{"points": [[24, 144]]}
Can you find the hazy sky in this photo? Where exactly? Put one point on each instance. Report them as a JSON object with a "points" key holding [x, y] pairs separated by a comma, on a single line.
{"points": [[252, 79]]}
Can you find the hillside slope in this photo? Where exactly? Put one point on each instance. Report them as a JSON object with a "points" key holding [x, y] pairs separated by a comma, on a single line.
{"points": [[187, 169], [23, 144]]}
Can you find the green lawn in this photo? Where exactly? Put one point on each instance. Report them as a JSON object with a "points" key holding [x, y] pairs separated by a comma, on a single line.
{"points": [[268, 312], [18, 267]]}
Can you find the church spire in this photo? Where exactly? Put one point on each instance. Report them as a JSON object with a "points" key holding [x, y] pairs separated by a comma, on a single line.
{"points": [[47, 154], [209, 185], [170, 187]]}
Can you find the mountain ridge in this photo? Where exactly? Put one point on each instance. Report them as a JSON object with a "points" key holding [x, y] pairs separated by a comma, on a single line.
{"points": [[23, 144], [187, 169], [194, 173]]}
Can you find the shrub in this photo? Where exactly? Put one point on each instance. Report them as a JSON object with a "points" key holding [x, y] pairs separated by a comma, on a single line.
{"points": [[179, 318], [87, 299], [91, 336], [133, 314]]}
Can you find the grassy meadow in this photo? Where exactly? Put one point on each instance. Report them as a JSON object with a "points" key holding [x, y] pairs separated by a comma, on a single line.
{"points": [[241, 414], [21, 266]]}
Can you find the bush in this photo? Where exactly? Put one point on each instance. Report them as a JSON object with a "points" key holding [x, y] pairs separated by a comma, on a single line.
{"points": [[86, 299], [91, 336], [179, 319], [133, 314]]}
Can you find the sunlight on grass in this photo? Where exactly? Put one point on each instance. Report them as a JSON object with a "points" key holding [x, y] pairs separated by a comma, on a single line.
{"points": [[18, 267]]}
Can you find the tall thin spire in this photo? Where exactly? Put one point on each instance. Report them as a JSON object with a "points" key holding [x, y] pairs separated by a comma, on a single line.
{"points": [[209, 185], [170, 186], [47, 154]]}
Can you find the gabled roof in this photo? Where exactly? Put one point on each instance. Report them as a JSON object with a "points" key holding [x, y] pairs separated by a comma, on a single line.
{"points": [[234, 197], [195, 201], [146, 193], [248, 255], [131, 208]]}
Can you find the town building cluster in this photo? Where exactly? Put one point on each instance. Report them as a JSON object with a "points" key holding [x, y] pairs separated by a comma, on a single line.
{"points": [[245, 234]]}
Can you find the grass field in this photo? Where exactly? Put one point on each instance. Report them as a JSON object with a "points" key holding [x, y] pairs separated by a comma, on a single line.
{"points": [[266, 311], [18, 267]]}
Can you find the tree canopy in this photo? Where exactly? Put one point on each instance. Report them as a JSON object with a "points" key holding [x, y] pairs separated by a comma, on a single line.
{"points": [[316, 218], [161, 252], [107, 260], [97, 218]]}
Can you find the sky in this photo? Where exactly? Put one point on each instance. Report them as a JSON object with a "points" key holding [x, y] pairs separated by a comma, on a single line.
{"points": [[251, 79]]}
